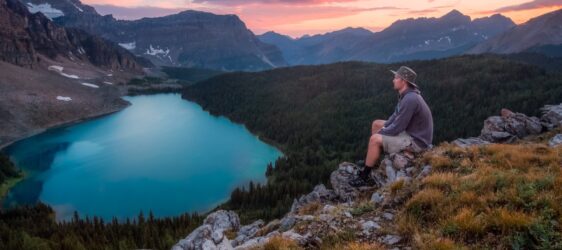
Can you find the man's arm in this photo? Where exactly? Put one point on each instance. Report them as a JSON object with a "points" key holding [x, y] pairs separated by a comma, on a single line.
{"points": [[390, 120], [408, 106]]}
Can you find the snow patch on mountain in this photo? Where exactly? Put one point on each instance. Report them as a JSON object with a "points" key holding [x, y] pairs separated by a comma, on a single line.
{"points": [[90, 85], [128, 46], [157, 51], [78, 8], [59, 69], [46, 9], [64, 98]]}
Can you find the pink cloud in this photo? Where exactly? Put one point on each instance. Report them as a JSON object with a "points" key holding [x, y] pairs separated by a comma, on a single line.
{"points": [[271, 17], [535, 4], [289, 2]]}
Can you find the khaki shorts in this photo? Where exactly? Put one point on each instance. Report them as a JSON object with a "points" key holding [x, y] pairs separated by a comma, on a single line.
{"points": [[395, 144]]}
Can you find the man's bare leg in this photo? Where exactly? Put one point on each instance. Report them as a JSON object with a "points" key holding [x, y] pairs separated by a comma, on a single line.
{"points": [[373, 153], [377, 126], [374, 150]]}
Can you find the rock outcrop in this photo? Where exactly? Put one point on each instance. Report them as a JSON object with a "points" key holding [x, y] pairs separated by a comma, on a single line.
{"points": [[343, 207], [336, 211], [510, 126], [16, 46], [211, 234]]}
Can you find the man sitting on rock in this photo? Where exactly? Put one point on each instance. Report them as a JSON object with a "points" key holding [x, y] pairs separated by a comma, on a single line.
{"points": [[410, 127]]}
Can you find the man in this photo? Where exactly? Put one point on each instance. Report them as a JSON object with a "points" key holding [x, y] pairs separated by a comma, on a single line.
{"points": [[409, 127]]}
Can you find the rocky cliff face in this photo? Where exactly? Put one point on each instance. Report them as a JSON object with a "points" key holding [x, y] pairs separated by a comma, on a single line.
{"points": [[188, 39], [104, 53], [367, 215], [16, 45], [24, 34]]}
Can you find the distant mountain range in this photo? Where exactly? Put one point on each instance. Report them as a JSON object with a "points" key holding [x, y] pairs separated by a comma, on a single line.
{"points": [[326, 48], [420, 38], [426, 38], [187, 39], [222, 42]]}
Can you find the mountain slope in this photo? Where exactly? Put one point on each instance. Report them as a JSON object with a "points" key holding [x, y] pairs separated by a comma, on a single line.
{"points": [[427, 38], [318, 49], [541, 30], [187, 39], [50, 75]]}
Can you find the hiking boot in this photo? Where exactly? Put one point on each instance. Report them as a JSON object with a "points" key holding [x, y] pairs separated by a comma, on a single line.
{"points": [[362, 182]]}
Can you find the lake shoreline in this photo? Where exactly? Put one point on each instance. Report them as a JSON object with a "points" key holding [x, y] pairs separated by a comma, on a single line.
{"points": [[150, 90], [9, 184], [242, 127], [62, 124]]}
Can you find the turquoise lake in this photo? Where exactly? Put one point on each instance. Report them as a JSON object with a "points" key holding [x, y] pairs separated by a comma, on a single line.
{"points": [[162, 153]]}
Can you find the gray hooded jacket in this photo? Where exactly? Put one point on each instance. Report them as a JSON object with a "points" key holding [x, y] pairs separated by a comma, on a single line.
{"points": [[413, 116]]}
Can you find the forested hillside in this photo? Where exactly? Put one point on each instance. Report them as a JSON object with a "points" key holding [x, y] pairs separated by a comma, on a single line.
{"points": [[321, 115]]}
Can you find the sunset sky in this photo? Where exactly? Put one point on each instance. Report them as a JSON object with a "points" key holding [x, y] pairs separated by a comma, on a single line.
{"points": [[299, 17]]}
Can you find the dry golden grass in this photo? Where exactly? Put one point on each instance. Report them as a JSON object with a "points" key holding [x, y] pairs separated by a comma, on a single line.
{"points": [[441, 180], [280, 243], [230, 234], [273, 225], [397, 186], [360, 246], [506, 220], [440, 163], [522, 157], [499, 196], [430, 242], [468, 222], [310, 208], [425, 205]]}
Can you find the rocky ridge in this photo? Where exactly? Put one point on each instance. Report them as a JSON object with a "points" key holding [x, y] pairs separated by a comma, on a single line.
{"points": [[367, 213]]}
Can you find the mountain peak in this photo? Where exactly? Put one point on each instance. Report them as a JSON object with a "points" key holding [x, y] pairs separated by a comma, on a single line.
{"points": [[348, 31], [453, 12], [274, 35], [455, 15]]}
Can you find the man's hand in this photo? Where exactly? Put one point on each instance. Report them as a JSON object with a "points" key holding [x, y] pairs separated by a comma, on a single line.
{"points": [[377, 126]]}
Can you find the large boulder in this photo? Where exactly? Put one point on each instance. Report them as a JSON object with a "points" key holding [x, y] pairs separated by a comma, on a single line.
{"points": [[552, 116], [210, 235], [319, 194], [247, 232], [510, 126], [340, 181], [555, 140], [393, 167], [467, 142]]}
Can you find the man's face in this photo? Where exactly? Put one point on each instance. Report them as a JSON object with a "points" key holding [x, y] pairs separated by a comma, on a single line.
{"points": [[398, 82]]}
